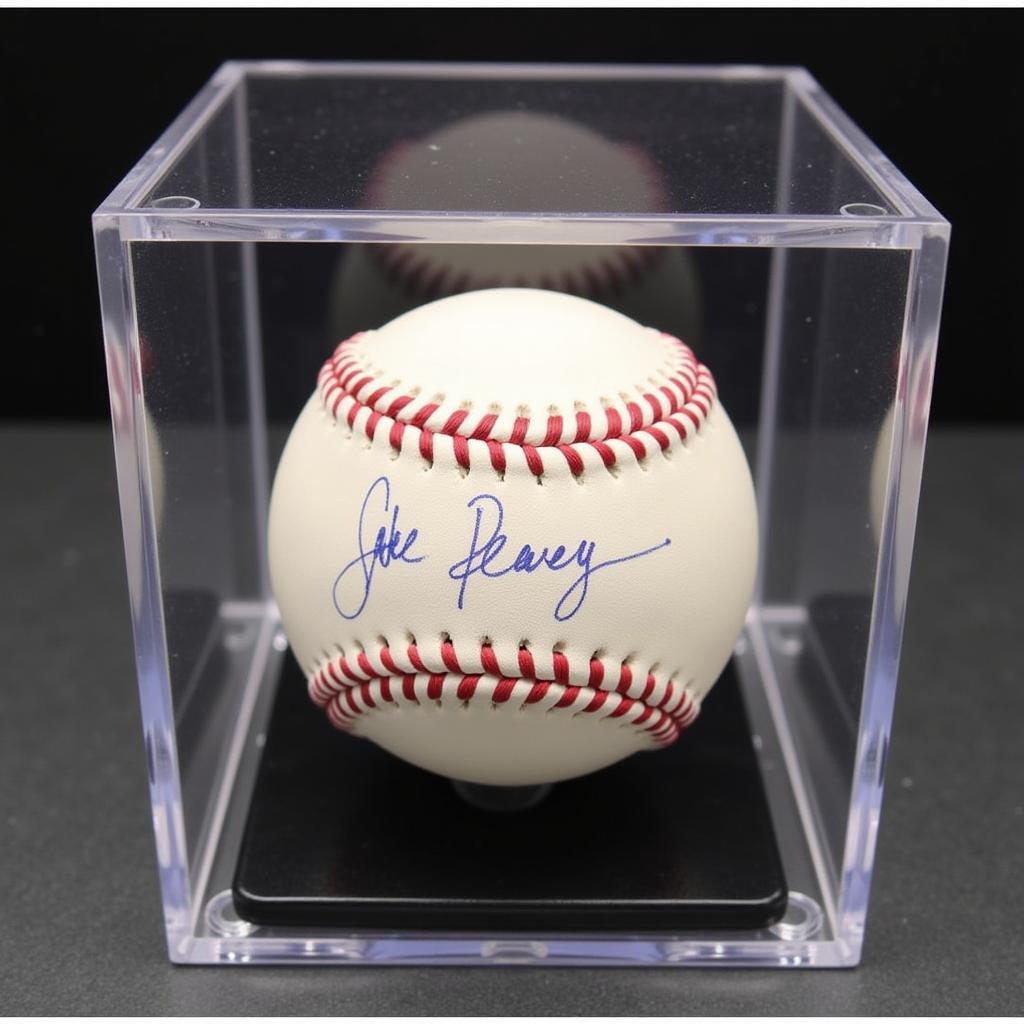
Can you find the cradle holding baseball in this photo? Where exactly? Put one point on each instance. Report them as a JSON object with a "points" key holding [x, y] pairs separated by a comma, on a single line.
{"points": [[513, 537]]}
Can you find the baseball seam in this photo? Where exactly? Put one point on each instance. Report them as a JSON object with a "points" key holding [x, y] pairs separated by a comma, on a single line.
{"points": [[348, 688], [670, 413]]}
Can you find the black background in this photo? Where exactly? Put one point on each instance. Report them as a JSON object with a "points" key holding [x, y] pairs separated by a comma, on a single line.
{"points": [[85, 93]]}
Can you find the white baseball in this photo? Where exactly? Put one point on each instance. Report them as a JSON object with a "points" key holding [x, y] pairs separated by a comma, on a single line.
{"points": [[513, 537]]}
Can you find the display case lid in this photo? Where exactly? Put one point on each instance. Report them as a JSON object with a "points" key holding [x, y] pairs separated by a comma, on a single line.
{"points": [[442, 152]]}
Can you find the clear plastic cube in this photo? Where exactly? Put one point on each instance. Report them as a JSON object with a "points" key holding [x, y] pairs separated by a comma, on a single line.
{"points": [[292, 204]]}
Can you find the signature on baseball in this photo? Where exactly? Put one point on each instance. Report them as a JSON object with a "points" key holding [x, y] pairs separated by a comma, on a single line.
{"points": [[389, 545], [486, 558]]}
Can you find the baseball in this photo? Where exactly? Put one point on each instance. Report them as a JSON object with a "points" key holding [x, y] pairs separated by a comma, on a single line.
{"points": [[513, 537]]}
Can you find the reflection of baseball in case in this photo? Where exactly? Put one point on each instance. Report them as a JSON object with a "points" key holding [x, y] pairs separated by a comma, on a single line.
{"points": [[530, 160], [513, 536]]}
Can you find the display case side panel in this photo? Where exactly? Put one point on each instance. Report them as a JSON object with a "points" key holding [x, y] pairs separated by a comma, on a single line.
{"points": [[899, 468], [138, 479], [199, 344], [252, 331], [833, 368]]}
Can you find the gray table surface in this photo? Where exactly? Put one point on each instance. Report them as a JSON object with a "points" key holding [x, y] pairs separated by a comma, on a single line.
{"points": [[80, 917]]}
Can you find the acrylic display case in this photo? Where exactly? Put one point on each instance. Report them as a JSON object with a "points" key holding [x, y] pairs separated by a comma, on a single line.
{"points": [[291, 205]]}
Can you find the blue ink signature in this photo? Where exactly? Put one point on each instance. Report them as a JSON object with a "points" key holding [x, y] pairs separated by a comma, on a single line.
{"points": [[482, 557], [389, 545]]}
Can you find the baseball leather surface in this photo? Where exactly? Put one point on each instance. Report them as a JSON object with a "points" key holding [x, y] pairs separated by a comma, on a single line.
{"points": [[513, 537]]}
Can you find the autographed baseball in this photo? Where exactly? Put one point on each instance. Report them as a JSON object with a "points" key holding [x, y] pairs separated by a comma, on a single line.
{"points": [[513, 537]]}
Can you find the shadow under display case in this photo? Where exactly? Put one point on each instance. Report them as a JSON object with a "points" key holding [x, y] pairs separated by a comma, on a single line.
{"points": [[294, 205]]}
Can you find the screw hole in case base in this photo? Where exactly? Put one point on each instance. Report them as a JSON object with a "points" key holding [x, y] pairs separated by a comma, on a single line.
{"points": [[803, 918], [223, 919], [863, 210], [176, 203]]}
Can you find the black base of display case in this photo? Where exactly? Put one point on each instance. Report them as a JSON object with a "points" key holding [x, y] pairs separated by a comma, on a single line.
{"points": [[342, 834]]}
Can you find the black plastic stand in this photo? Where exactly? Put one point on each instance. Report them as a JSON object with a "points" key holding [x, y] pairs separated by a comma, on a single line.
{"points": [[342, 834]]}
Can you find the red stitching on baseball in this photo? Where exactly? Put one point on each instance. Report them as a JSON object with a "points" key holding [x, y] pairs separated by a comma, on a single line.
{"points": [[583, 427], [347, 688], [519, 430], [503, 691], [357, 397], [538, 692]]}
